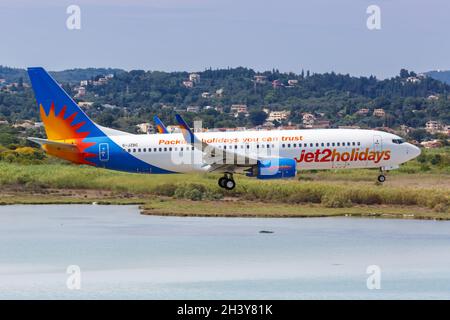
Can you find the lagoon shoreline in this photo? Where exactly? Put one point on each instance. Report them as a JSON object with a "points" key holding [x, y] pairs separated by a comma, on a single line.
{"points": [[233, 207]]}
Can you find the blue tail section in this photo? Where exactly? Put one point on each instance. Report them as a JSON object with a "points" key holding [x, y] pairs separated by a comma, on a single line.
{"points": [[185, 130], [51, 98], [160, 125], [66, 124]]}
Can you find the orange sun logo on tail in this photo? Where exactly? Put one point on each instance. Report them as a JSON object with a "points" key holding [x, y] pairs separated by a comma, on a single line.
{"points": [[61, 129]]}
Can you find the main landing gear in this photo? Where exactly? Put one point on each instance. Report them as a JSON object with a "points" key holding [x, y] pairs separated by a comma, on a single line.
{"points": [[227, 181], [381, 178]]}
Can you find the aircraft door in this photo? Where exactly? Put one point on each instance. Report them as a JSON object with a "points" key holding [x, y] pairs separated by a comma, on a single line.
{"points": [[377, 143]]}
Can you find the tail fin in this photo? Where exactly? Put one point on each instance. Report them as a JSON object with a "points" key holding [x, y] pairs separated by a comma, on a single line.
{"points": [[160, 125], [63, 119]]}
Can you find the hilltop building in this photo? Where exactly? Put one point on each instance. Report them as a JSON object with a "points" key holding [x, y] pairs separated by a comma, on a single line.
{"points": [[379, 113], [194, 77]]}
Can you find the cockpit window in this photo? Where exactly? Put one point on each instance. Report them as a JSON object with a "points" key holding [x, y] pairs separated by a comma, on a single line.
{"points": [[398, 141]]}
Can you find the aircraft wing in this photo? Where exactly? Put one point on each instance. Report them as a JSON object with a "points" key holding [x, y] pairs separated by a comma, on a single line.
{"points": [[216, 159]]}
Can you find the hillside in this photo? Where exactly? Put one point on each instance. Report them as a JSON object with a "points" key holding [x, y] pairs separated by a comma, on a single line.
{"points": [[135, 96], [443, 76], [71, 76]]}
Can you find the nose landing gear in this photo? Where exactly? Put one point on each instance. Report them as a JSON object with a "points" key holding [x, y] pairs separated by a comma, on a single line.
{"points": [[227, 181], [381, 178]]}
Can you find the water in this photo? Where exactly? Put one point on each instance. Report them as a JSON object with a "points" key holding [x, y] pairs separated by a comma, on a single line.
{"points": [[123, 254]]}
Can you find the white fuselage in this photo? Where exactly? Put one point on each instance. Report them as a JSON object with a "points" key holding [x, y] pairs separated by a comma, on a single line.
{"points": [[311, 148]]}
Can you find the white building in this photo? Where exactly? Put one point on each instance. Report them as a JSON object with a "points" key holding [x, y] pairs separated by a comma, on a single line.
{"points": [[308, 120], [260, 79], [436, 127], [278, 116], [194, 109], [145, 127], [194, 77], [81, 92], [379, 112], [239, 108], [188, 84]]}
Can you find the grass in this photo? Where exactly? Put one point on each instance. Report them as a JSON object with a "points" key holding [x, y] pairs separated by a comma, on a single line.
{"points": [[170, 207], [426, 194]]}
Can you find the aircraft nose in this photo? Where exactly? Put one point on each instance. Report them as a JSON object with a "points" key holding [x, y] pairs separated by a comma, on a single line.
{"points": [[413, 151]]}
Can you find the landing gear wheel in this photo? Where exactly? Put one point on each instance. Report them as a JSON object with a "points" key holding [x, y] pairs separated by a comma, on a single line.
{"points": [[227, 181], [222, 182], [230, 184], [381, 178]]}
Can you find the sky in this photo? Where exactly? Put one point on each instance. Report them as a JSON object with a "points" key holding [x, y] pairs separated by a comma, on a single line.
{"points": [[192, 35]]}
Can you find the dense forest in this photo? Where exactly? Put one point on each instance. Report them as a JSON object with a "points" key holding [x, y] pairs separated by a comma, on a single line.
{"points": [[135, 96]]}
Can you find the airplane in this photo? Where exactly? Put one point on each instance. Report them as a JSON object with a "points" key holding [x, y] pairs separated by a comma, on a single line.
{"points": [[263, 154], [160, 125]]}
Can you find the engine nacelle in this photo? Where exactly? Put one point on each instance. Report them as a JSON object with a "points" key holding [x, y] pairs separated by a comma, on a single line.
{"points": [[274, 168]]}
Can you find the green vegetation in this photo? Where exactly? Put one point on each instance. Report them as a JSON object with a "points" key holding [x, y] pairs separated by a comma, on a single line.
{"points": [[343, 189], [330, 96], [169, 207]]}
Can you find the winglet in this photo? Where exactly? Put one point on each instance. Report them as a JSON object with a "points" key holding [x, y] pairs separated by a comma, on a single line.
{"points": [[160, 125], [187, 132]]}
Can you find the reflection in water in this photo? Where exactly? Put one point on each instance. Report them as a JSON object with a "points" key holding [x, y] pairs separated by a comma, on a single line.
{"points": [[123, 254]]}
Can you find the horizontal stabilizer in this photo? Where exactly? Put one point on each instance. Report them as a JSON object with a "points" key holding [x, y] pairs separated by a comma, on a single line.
{"points": [[68, 147]]}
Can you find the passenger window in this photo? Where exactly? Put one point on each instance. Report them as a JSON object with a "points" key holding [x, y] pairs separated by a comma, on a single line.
{"points": [[134, 150], [311, 145], [289, 145], [338, 144], [332, 144], [181, 149], [317, 144], [160, 149], [328, 144], [170, 149], [294, 145], [129, 150], [359, 143]]}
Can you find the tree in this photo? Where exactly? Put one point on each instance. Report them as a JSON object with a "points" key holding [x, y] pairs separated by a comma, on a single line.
{"points": [[404, 73], [257, 118], [419, 134]]}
